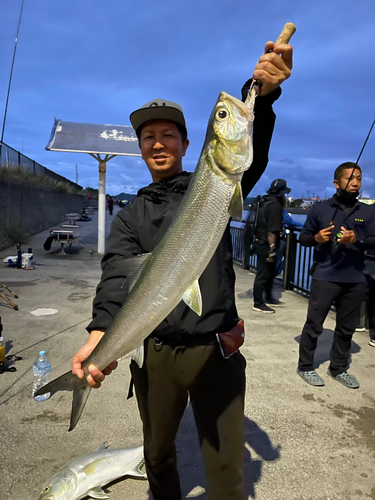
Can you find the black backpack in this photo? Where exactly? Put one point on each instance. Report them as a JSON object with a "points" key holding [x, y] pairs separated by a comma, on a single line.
{"points": [[252, 223]]}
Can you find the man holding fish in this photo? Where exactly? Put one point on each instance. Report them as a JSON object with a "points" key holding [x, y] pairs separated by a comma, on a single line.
{"points": [[192, 351]]}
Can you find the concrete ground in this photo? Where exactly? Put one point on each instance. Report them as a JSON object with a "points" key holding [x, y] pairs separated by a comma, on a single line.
{"points": [[302, 443]]}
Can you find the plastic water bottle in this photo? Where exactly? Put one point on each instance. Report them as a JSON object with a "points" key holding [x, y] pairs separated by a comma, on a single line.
{"points": [[42, 372]]}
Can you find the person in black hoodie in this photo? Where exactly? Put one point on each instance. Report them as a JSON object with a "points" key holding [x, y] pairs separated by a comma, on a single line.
{"points": [[182, 357], [341, 229], [267, 239]]}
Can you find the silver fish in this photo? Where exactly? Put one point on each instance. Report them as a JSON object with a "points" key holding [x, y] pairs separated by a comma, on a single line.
{"points": [[168, 275], [85, 476]]}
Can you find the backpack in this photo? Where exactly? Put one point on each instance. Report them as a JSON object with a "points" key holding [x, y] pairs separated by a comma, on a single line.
{"points": [[252, 223]]}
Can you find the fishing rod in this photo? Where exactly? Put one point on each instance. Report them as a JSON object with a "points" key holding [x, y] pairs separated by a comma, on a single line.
{"points": [[364, 145], [360, 154], [10, 77]]}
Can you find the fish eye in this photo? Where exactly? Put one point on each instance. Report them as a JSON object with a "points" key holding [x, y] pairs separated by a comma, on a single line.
{"points": [[46, 489], [221, 114]]}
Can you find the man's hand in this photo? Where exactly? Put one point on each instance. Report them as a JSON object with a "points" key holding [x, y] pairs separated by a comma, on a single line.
{"points": [[347, 237], [272, 70], [96, 377], [324, 235]]}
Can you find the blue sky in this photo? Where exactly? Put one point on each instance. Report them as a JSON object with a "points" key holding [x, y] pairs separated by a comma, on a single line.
{"points": [[95, 62]]}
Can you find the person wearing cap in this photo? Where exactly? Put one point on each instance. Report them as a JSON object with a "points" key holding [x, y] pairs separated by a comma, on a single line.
{"points": [[267, 239], [340, 229], [182, 358]]}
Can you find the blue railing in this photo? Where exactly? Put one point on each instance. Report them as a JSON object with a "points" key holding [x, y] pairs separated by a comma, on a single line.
{"points": [[297, 264]]}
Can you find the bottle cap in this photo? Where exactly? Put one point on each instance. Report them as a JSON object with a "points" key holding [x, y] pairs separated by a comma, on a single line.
{"points": [[42, 353]]}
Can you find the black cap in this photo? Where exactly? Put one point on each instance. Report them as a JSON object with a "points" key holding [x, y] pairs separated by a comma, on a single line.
{"points": [[158, 109], [278, 188]]}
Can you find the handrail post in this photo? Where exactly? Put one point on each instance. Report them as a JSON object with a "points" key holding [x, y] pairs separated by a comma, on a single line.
{"points": [[246, 246], [290, 260]]}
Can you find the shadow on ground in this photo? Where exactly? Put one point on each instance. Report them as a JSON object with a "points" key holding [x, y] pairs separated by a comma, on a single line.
{"points": [[324, 347], [258, 449]]}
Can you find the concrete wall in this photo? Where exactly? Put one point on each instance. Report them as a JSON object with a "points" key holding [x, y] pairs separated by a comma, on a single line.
{"points": [[29, 210]]}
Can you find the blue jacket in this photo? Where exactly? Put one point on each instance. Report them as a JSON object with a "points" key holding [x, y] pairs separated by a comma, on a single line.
{"points": [[337, 262], [289, 222]]}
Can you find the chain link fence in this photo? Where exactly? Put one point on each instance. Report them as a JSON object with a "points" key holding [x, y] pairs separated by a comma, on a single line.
{"points": [[9, 157]]}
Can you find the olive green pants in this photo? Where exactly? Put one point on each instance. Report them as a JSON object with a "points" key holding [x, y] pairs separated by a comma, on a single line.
{"points": [[216, 387]]}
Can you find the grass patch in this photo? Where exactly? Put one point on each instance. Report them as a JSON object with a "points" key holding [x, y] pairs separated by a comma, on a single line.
{"points": [[16, 174]]}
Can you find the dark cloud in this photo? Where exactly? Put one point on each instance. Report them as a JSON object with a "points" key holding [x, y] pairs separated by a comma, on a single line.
{"points": [[93, 62]]}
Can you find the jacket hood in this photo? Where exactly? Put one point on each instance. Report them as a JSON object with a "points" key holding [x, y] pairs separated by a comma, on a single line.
{"points": [[158, 191], [269, 197]]}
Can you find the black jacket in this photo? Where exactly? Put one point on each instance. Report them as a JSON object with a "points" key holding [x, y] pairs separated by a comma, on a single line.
{"points": [[337, 262], [270, 218], [140, 226]]}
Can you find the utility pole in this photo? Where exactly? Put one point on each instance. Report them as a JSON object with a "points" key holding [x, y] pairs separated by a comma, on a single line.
{"points": [[76, 173]]}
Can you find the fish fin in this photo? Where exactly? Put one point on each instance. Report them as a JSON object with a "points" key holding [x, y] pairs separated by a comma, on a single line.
{"points": [[69, 382], [236, 203], [97, 493], [132, 268], [80, 396], [102, 446], [193, 298], [136, 470], [138, 355], [65, 382]]}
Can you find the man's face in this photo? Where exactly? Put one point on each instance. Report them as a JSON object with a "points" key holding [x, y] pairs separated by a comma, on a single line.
{"points": [[355, 182], [162, 148]]}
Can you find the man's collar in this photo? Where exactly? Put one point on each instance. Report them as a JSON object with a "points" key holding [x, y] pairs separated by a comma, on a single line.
{"points": [[335, 202]]}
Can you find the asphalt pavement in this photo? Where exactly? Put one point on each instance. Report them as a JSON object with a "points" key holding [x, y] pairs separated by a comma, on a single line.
{"points": [[302, 443]]}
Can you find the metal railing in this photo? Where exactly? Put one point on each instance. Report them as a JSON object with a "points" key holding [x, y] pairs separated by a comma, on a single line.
{"points": [[297, 263], [13, 158]]}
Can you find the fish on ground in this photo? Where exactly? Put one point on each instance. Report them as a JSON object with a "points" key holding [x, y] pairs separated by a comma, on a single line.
{"points": [[159, 281], [86, 475]]}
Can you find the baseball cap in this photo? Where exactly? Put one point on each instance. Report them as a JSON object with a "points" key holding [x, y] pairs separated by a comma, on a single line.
{"points": [[158, 109], [279, 188]]}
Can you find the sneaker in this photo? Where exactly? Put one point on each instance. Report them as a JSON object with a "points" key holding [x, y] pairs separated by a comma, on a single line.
{"points": [[311, 377], [274, 302], [360, 329], [263, 308], [346, 379], [371, 342]]}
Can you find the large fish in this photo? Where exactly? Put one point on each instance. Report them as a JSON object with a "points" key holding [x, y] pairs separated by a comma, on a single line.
{"points": [[172, 271], [85, 476]]}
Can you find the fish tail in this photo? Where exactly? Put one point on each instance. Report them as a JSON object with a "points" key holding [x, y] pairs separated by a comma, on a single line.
{"points": [[69, 382], [136, 471]]}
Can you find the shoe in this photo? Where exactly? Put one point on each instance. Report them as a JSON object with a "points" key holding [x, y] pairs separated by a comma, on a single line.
{"points": [[263, 308], [371, 342], [274, 302], [311, 377], [360, 329], [346, 379]]}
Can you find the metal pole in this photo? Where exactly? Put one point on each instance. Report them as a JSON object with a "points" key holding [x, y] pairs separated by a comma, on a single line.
{"points": [[101, 207], [367, 138], [360, 154], [10, 77]]}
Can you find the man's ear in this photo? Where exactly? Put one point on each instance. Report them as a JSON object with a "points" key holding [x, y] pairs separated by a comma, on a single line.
{"points": [[186, 145], [336, 184]]}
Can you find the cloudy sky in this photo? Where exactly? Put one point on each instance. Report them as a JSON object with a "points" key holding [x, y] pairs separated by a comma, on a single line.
{"points": [[95, 62]]}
